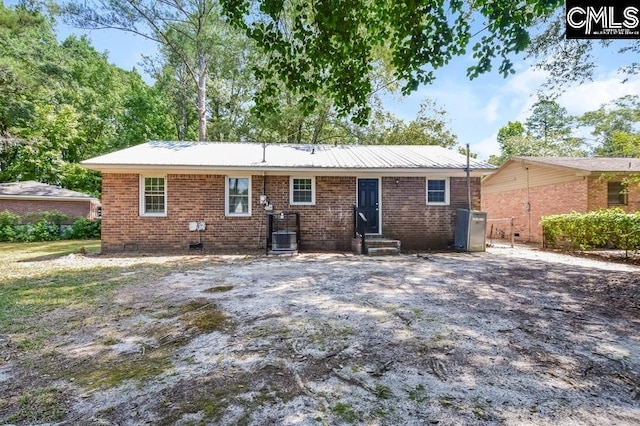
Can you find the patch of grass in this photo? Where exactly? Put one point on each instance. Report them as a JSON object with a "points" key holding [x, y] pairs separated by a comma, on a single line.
{"points": [[108, 371], [109, 341], [383, 391], [480, 411], [219, 289], [446, 401], [211, 397], [41, 405], [38, 250], [419, 394], [204, 315], [346, 412], [24, 297]]}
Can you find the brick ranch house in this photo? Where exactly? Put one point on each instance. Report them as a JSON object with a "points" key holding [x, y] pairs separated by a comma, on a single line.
{"points": [[528, 188], [29, 197], [154, 193]]}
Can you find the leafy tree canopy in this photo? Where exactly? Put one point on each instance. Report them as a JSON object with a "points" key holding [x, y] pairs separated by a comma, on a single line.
{"points": [[574, 61], [333, 45], [548, 131]]}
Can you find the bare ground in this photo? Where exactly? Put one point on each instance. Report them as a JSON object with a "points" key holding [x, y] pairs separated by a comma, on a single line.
{"points": [[511, 336]]}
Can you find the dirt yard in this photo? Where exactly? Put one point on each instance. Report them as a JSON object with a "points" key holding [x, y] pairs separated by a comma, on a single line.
{"points": [[510, 336]]}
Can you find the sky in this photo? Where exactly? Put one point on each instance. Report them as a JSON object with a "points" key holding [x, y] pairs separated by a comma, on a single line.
{"points": [[476, 109]]}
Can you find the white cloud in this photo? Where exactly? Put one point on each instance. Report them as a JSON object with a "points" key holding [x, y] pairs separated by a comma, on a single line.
{"points": [[591, 96], [486, 147], [491, 110]]}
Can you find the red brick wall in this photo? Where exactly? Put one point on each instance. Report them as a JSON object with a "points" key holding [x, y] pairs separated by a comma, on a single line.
{"points": [[598, 189], [542, 200], [325, 226], [72, 209], [408, 218]]}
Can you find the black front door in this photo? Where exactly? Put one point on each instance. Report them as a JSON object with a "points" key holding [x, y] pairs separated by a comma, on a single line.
{"points": [[368, 204]]}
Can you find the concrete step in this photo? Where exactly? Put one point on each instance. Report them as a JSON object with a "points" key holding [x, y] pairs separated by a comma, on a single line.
{"points": [[383, 251], [382, 242]]}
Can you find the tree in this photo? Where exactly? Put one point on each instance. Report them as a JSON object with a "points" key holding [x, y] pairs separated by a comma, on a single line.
{"points": [[548, 131], [430, 127], [61, 103], [548, 121], [332, 46], [191, 31], [615, 127], [574, 61]]}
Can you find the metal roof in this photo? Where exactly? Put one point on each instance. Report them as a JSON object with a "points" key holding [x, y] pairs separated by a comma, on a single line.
{"points": [[32, 189], [250, 156], [589, 164]]}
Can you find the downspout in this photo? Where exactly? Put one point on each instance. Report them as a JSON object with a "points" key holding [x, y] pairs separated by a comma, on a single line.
{"points": [[468, 180], [264, 192], [528, 208]]}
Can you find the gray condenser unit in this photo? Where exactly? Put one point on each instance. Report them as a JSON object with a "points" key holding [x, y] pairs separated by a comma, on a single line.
{"points": [[284, 240], [471, 228]]}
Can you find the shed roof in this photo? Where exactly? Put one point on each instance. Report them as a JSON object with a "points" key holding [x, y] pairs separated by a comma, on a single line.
{"points": [[38, 190], [278, 157]]}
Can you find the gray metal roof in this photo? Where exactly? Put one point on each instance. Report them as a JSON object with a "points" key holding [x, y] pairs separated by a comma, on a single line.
{"points": [[249, 156], [590, 164], [32, 189]]}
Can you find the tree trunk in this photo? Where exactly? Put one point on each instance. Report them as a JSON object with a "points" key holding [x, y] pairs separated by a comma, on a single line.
{"points": [[202, 99]]}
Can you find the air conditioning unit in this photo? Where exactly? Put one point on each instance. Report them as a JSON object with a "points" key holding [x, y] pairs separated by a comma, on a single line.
{"points": [[284, 240]]}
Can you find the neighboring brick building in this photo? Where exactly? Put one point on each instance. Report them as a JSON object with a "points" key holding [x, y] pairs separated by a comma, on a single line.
{"points": [[528, 188], [154, 195], [24, 198]]}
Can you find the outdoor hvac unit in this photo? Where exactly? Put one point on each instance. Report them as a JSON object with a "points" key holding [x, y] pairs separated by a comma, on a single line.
{"points": [[284, 240], [283, 232], [471, 228]]}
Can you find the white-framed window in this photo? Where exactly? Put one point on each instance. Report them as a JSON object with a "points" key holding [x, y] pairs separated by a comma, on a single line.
{"points": [[153, 196], [237, 192], [302, 191], [438, 191]]}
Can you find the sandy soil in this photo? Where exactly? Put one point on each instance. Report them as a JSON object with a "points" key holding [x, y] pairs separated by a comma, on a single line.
{"points": [[510, 336]]}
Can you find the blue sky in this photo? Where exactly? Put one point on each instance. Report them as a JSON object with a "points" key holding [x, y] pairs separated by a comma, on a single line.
{"points": [[476, 109]]}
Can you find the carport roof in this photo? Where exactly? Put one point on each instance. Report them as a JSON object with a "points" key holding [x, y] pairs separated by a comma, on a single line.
{"points": [[274, 157]]}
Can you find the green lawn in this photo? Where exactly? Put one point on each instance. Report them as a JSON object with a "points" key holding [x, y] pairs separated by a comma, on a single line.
{"points": [[25, 251]]}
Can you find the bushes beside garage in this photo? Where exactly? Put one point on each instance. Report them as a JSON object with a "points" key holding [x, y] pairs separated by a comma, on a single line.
{"points": [[607, 228], [46, 226]]}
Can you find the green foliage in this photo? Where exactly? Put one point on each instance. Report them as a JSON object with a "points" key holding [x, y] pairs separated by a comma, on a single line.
{"points": [[614, 127], [83, 229], [63, 102], [570, 62], [8, 224], [602, 228], [46, 226], [547, 132], [331, 46]]}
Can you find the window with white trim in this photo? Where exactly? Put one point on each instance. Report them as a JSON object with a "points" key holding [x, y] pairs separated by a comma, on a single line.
{"points": [[438, 191], [153, 196], [302, 191], [237, 196]]}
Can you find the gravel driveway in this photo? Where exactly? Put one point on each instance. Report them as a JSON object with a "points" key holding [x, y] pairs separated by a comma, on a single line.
{"points": [[510, 336]]}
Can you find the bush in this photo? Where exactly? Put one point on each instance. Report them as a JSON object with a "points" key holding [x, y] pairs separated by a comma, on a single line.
{"points": [[83, 229], [8, 223], [601, 228], [46, 226]]}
